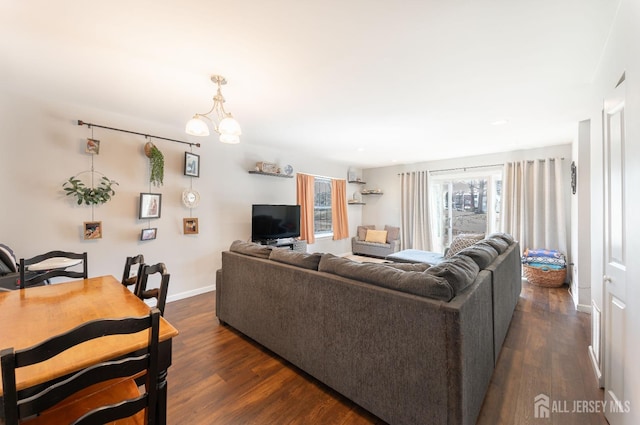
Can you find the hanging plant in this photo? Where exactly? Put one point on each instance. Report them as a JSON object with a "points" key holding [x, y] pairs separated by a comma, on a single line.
{"points": [[90, 195], [156, 160]]}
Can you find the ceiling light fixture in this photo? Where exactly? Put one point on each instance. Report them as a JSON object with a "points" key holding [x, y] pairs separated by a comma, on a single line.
{"points": [[227, 127]]}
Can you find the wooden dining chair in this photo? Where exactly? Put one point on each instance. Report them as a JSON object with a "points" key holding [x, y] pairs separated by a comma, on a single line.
{"points": [[127, 279], [159, 293], [31, 279], [98, 394]]}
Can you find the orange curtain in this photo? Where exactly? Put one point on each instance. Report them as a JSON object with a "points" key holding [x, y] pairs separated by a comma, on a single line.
{"points": [[305, 189], [339, 209]]}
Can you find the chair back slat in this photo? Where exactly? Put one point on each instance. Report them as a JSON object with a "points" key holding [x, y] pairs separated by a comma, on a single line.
{"points": [[39, 277], [18, 406], [128, 280], [159, 293]]}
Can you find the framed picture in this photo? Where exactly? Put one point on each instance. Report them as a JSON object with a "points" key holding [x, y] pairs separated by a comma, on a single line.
{"points": [[150, 204], [148, 234], [92, 230], [190, 226], [93, 146], [191, 164]]}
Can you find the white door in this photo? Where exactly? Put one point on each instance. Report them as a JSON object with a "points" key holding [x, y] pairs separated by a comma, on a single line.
{"points": [[615, 256]]}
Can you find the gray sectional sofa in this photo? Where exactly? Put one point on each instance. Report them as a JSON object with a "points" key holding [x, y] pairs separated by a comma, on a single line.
{"points": [[410, 343]]}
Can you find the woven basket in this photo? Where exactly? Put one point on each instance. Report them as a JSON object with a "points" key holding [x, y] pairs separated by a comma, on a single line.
{"points": [[545, 276]]}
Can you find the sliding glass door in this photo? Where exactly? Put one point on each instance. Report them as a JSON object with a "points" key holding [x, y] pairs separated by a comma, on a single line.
{"points": [[466, 202]]}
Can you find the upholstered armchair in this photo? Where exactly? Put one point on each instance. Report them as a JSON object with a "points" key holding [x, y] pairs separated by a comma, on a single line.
{"points": [[376, 243]]}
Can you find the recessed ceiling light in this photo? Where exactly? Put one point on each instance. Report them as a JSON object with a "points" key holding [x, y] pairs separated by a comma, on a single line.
{"points": [[500, 122]]}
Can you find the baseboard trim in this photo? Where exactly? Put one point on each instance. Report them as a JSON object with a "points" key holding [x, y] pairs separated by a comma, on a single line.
{"points": [[596, 367], [584, 308], [192, 293]]}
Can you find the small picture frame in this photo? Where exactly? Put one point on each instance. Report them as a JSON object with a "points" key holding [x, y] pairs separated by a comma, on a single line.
{"points": [[93, 147], [191, 164], [150, 205], [92, 230], [190, 226], [148, 234]]}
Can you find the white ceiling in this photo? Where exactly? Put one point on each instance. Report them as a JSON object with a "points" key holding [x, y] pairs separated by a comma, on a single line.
{"points": [[366, 82]]}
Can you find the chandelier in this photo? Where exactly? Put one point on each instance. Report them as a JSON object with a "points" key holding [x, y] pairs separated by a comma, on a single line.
{"points": [[227, 127]]}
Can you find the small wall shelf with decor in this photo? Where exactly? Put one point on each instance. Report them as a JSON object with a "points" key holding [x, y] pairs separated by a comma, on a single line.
{"points": [[371, 192], [356, 182], [287, 176], [352, 202]]}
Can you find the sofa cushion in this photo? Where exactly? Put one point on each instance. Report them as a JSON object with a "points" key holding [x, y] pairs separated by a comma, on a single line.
{"points": [[376, 236], [362, 231], [251, 249], [460, 271], [411, 282], [409, 267], [482, 254], [461, 242], [499, 244], [300, 259], [504, 236], [393, 233]]}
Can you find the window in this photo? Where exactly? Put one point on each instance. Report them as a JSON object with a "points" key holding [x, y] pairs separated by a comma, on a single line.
{"points": [[322, 222], [464, 203]]}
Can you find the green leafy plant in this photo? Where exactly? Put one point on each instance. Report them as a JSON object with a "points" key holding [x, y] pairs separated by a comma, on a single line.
{"points": [[90, 195], [156, 160]]}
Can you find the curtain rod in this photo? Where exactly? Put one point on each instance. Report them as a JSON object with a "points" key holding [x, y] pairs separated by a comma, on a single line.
{"points": [[88, 124]]}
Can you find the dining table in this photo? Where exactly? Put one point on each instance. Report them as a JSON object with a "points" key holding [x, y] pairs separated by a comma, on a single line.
{"points": [[29, 316]]}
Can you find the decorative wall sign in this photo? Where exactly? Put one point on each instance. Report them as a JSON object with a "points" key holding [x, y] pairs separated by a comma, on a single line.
{"points": [[150, 205], [92, 230], [190, 198], [148, 234], [93, 146], [190, 226], [191, 164]]}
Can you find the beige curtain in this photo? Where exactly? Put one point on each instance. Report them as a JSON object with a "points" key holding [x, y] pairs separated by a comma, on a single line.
{"points": [[533, 204], [305, 189], [414, 192], [339, 209]]}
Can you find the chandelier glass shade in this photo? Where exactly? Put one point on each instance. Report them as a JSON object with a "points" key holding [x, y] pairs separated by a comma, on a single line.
{"points": [[227, 127]]}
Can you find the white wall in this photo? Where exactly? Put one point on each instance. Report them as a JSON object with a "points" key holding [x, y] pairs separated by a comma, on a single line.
{"points": [[42, 146], [581, 220], [622, 54]]}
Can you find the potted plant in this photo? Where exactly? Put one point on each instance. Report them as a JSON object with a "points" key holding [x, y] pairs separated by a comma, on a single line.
{"points": [[156, 160], [90, 195]]}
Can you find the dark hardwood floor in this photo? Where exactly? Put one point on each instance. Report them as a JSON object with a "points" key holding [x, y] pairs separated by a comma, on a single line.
{"points": [[220, 377]]}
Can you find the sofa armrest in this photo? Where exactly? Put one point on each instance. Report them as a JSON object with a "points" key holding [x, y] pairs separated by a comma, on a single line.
{"points": [[395, 245]]}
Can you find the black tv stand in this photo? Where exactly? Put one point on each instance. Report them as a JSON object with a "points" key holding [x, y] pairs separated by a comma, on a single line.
{"points": [[293, 244]]}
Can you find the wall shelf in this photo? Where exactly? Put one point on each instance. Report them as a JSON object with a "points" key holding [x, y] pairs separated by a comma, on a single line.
{"points": [[356, 203], [356, 182], [371, 193], [286, 176]]}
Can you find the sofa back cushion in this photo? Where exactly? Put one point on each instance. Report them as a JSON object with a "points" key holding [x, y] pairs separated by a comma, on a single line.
{"points": [[251, 249], [393, 233], [299, 259], [498, 244], [376, 236], [362, 231], [417, 283], [460, 271], [483, 254], [504, 236], [408, 267]]}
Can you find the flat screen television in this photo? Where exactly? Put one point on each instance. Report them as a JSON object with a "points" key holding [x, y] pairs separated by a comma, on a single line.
{"points": [[271, 222]]}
